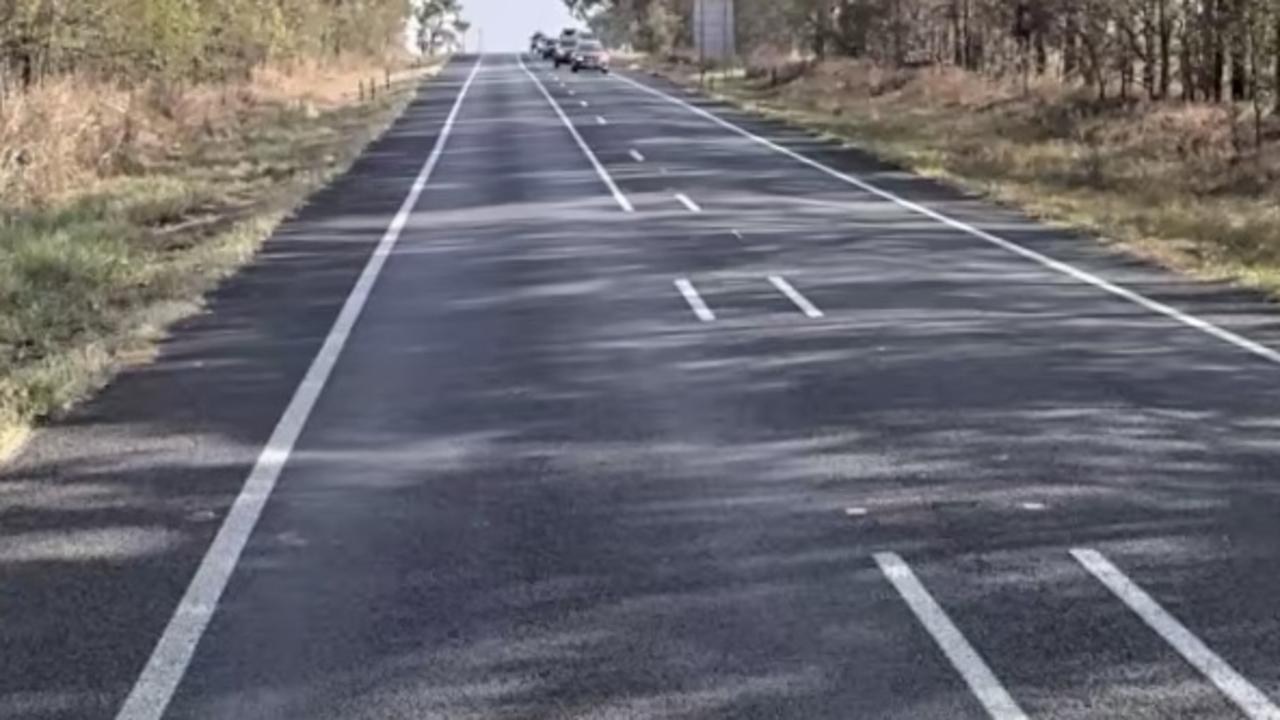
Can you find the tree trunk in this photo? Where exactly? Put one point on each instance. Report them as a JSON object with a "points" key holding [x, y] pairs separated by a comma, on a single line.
{"points": [[1070, 51], [1215, 53], [1276, 90], [1166, 32], [1239, 38]]}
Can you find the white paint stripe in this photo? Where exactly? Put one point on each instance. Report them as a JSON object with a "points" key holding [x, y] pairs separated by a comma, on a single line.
{"points": [[1248, 698], [695, 301], [635, 155], [622, 200], [809, 309], [601, 121], [984, 684], [584, 103], [688, 203], [1083, 276], [738, 234], [172, 654]]}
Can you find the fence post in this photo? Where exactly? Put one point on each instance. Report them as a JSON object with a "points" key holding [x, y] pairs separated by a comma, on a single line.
{"points": [[388, 71], [362, 91]]}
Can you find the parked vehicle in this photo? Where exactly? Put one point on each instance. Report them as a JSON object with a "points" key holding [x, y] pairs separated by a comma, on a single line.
{"points": [[590, 55]]}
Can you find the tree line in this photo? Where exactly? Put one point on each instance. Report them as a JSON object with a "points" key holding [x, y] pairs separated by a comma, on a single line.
{"points": [[185, 40], [1204, 50]]}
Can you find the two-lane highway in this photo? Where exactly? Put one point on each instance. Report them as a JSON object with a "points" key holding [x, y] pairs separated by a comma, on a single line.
{"points": [[581, 397]]}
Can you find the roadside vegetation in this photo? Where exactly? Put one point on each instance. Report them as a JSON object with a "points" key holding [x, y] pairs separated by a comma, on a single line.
{"points": [[1151, 123], [147, 147]]}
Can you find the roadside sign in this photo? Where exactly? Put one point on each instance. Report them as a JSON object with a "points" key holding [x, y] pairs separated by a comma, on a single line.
{"points": [[713, 29]]}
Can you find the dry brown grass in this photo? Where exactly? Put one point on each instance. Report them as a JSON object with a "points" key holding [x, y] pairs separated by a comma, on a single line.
{"points": [[61, 137], [1178, 183], [119, 210]]}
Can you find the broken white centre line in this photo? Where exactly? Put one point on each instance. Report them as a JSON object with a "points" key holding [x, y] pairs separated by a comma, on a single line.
{"points": [[585, 103], [977, 675], [809, 309], [695, 300], [601, 121], [635, 155], [688, 203], [1244, 694]]}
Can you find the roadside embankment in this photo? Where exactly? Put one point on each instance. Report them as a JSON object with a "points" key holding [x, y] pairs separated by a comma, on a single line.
{"points": [[120, 209]]}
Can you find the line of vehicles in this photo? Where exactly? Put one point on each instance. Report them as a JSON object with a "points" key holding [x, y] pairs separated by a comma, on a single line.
{"points": [[579, 49]]}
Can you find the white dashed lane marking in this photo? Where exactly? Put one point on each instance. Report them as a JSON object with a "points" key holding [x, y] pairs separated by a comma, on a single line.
{"points": [[695, 300], [688, 203], [810, 310], [1251, 701], [999, 704]]}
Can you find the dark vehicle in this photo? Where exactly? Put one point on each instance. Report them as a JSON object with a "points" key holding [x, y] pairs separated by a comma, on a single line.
{"points": [[590, 55], [536, 42], [564, 51], [547, 49]]}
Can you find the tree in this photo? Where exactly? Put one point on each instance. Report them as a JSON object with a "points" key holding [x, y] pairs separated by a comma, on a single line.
{"points": [[1209, 50], [440, 24], [184, 40]]}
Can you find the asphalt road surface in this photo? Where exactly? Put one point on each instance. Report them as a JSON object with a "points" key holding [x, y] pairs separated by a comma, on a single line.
{"points": [[581, 396]]}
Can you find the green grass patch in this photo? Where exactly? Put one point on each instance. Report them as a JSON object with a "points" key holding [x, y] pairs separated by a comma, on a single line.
{"points": [[91, 281]]}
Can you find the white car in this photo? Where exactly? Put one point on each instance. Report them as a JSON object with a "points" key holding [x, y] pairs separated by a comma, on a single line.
{"points": [[590, 55]]}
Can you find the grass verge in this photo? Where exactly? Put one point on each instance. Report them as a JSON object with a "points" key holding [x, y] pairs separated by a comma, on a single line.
{"points": [[91, 276], [1183, 185]]}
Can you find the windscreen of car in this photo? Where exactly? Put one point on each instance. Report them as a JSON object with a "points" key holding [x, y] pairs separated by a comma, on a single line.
{"points": [[590, 47]]}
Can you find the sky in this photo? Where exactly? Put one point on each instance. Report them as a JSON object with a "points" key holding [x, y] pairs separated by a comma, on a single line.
{"points": [[507, 24]]}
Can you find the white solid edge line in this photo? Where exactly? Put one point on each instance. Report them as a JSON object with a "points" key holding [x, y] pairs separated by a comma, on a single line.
{"points": [[635, 155], [984, 684], [688, 203], [622, 200], [168, 663], [1252, 701], [695, 300], [809, 309], [1083, 276]]}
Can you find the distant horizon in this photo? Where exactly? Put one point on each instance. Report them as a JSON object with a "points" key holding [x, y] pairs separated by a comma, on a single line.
{"points": [[507, 24]]}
